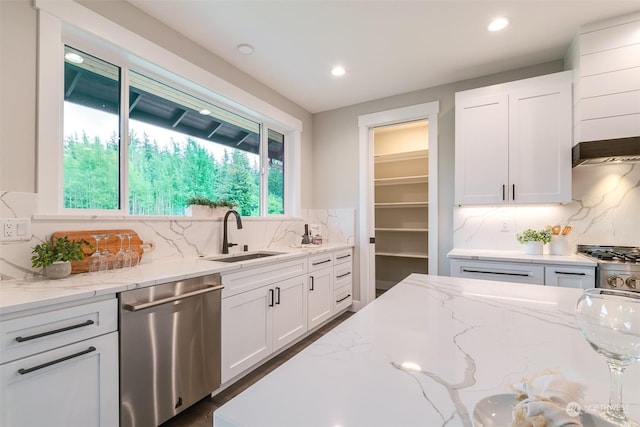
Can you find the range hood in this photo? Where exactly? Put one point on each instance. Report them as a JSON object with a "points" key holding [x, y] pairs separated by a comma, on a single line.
{"points": [[607, 151]]}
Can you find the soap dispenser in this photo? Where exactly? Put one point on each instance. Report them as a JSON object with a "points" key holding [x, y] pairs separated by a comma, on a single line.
{"points": [[306, 239]]}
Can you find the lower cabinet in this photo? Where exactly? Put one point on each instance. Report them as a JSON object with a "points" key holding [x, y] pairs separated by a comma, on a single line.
{"points": [[74, 382], [538, 274], [320, 297], [570, 277], [267, 308], [258, 322]]}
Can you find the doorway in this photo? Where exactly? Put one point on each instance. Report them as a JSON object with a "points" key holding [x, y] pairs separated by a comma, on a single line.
{"points": [[399, 230], [401, 201]]}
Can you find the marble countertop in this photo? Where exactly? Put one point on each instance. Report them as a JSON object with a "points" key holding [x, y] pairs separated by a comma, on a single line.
{"points": [[520, 256], [24, 294], [424, 353]]}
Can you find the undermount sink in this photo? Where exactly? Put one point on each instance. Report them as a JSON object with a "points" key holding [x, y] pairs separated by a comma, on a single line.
{"points": [[243, 256]]}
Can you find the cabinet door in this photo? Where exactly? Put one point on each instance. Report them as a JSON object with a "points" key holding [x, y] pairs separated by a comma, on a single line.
{"points": [[481, 154], [246, 330], [540, 142], [320, 296], [290, 311], [80, 387], [570, 277]]}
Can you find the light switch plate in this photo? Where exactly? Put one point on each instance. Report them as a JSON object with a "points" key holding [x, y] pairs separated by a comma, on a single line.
{"points": [[15, 229]]}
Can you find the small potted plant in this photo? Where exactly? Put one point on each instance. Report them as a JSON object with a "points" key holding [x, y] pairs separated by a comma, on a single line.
{"points": [[56, 256], [534, 240], [202, 206]]}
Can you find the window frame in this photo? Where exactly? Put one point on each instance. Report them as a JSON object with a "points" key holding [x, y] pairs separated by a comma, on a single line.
{"points": [[69, 23]]}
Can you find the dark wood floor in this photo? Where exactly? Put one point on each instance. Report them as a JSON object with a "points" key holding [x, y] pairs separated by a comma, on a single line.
{"points": [[201, 414]]}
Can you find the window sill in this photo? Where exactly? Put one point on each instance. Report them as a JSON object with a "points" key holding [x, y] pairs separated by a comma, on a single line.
{"points": [[147, 218]]}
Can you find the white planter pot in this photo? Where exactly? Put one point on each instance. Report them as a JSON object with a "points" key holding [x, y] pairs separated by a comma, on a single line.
{"points": [[533, 248], [560, 245], [58, 270]]}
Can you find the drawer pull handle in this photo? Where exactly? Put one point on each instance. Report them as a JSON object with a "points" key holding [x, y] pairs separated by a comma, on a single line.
{"points": [[23, 371], [464, 270], [571, 273], [343, 275], [343, 256], [55, 331], [321, 262], [342, 299], [312, 284]]}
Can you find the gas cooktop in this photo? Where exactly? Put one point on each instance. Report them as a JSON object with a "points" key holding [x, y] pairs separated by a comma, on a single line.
{"points": [[616, 254]]}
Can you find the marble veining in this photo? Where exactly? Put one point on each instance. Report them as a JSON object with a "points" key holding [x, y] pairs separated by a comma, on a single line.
{"points": [[604, 210], [424, 353], [174, 238]]}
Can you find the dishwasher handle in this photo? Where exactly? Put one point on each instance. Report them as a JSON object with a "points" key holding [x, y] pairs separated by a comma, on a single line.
{"points": [[145, 305]]}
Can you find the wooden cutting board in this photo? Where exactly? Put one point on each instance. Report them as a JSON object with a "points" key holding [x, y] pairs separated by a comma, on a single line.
{"points": [[113, 244]]}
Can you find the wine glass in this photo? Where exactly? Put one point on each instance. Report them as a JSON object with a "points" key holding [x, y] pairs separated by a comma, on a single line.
{"points": [[135, 257], [97, 261], [123, 259], [610, 322], [110, 258]]}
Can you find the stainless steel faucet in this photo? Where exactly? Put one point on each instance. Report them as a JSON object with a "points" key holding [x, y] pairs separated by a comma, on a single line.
{"points": [[225, 243]]}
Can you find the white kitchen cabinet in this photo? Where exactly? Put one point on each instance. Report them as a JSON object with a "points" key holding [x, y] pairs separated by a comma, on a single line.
{"points": [[289, 311], [263, 310], [320, 296], [60, 367], [498, 271], [569, 276], [513, 142], [537, 273]]}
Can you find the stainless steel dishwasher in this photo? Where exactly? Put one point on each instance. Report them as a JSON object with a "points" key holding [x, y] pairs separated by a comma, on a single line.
{"points": [[169, 348]]}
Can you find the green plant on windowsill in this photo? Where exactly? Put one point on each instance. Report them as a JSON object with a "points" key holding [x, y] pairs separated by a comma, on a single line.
{"points": [[60, 250], [218, 203], [530, 235]]}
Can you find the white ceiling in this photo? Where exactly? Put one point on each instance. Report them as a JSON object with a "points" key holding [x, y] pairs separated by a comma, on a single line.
{"points": [[387, 47]]}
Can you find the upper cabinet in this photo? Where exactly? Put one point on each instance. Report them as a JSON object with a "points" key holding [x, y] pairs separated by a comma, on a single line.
{"points": [[606, 59], [513, 142]]}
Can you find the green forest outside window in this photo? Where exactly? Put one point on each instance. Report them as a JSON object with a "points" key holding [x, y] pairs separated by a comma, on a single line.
{"points": [[179, 146]]}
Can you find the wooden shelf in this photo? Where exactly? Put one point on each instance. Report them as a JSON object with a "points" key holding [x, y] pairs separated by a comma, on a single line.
{"points": [[403, 230], [402, 205], [416, 255], [419, 179], [395, 157]]}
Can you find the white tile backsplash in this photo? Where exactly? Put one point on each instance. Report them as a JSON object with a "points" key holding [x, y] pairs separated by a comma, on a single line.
{"points": [[605, 209]]}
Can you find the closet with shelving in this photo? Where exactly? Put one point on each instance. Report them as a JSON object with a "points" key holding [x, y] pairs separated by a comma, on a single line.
{"points": [[401, 177]]}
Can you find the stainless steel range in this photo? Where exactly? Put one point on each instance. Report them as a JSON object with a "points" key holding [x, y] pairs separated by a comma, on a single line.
{"points": [[618, 266]]}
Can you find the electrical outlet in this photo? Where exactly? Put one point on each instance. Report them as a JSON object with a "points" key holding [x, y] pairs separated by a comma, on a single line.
{"points": [[15, 229], [9, 229], [505, 226]]}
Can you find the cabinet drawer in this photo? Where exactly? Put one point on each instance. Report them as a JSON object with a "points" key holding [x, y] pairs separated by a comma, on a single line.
{"points": [[343, 298], [320, 261], [252, 278], [342, 256], [28, 335], [342, 275], [501, 272], [570, 277]]}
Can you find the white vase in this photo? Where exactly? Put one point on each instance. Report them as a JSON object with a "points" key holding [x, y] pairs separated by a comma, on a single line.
{"points": [[58, 270], [533, 248], [560, 245]]}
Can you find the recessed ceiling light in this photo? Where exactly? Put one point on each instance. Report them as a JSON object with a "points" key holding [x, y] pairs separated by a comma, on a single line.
{"points": [[498, 24], [205, 112], [245, 49], [338, 71], [73, 57]]}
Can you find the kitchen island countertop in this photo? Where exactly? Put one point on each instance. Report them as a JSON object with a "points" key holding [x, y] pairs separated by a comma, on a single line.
{"points": [[424, 353]]}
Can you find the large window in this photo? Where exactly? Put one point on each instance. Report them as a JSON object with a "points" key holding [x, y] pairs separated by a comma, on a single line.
{"points": [[144, 146]]}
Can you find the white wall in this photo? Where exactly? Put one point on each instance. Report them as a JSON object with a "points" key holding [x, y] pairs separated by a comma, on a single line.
{"points": [[335, 147]]}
